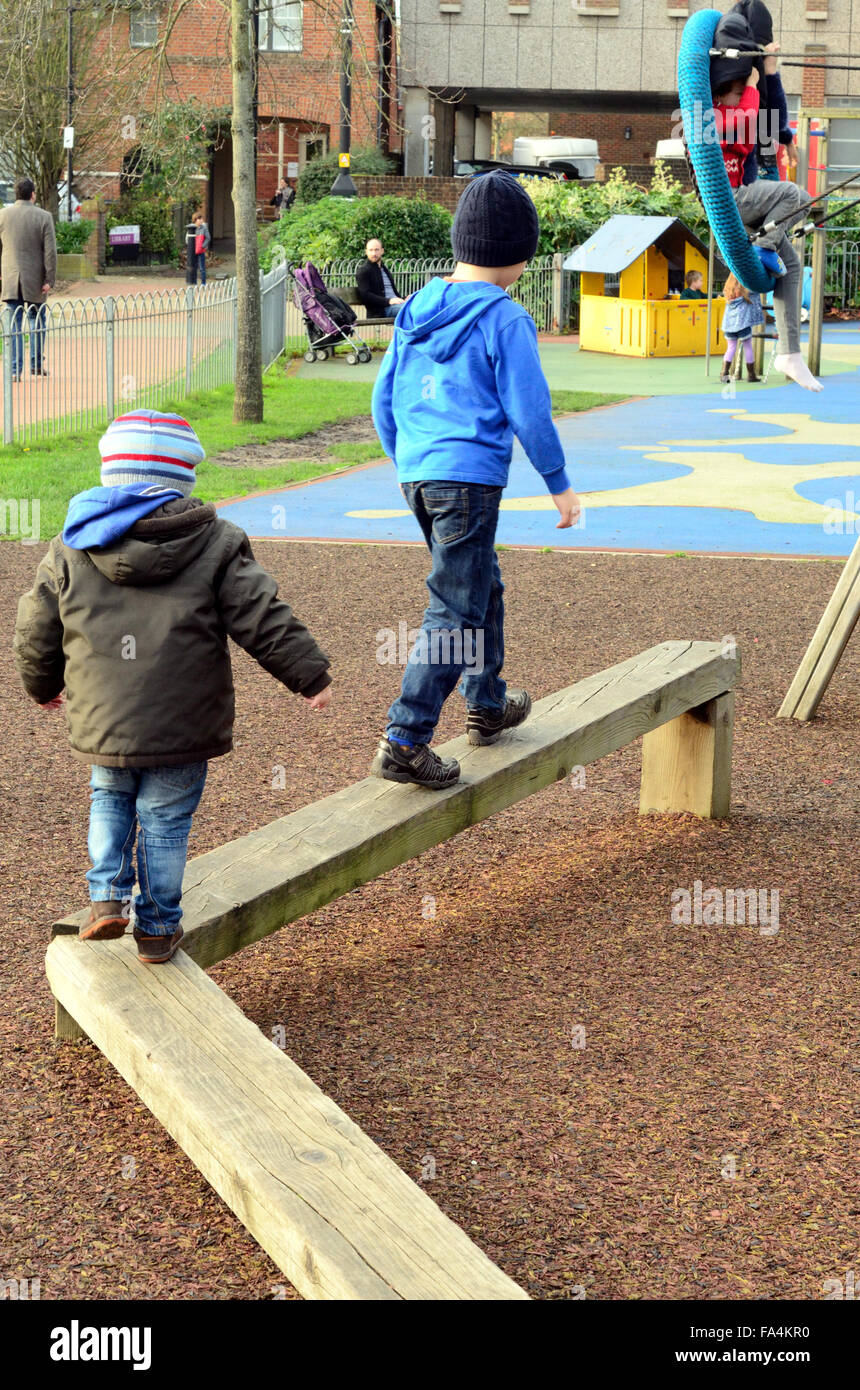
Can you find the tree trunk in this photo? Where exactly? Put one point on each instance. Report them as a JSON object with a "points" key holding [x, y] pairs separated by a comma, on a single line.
{"points": [[248, 397]]}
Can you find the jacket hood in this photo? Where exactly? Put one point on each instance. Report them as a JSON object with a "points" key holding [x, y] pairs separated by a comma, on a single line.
{"points": [[758, 16], [101, 515], [437, 319], [158, 547]]}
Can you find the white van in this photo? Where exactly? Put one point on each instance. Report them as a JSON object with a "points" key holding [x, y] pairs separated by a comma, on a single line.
{"points": [[578, 159], [670, 149]]}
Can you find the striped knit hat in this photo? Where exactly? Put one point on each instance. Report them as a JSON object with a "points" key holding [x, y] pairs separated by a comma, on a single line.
{"points": [[148, 447]]}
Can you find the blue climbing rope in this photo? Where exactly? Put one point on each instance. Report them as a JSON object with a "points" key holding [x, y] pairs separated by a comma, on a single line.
{"points": [[715, 191]]}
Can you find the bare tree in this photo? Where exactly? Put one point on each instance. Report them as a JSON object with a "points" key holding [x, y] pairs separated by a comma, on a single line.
{"points": [[248, 396], [34, 84]]}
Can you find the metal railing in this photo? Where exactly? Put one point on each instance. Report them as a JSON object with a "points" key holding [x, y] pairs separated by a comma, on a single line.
{"points": [[841, 270], [544, 289], [75, 364]]}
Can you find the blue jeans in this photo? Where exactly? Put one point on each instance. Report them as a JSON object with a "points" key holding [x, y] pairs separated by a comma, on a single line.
{"points": [[36, 315], [392, 310], [199, 264], [163, 800], [462, 632]]}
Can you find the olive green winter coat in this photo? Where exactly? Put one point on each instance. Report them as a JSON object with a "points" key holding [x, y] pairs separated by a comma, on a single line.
{"points": [[137, 633]]}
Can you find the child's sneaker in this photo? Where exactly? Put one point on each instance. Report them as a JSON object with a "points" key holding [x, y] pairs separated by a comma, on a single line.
{"points": [[772, 263], [105, 922], [416, 763], [486, 725], [154, 950]]}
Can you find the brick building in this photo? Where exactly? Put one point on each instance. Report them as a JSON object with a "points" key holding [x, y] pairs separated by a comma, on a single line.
{"points": [[603, 69], [298, 87]]}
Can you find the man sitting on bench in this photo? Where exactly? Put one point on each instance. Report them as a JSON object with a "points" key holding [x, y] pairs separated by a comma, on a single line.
{"points": [[376, 289]]}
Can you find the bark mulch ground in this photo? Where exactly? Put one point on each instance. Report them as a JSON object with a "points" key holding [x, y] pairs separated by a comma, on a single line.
{"points": [[703, 1141]]}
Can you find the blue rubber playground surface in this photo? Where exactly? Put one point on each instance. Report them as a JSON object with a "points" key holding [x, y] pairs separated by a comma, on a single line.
{"points": [[774, 472]]}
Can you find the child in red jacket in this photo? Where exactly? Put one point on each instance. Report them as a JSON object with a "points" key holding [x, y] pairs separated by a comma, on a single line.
{"points": [[736, 112]]}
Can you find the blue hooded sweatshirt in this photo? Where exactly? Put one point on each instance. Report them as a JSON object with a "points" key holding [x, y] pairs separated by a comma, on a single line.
{"points": [[461, 377], [101, 515]]}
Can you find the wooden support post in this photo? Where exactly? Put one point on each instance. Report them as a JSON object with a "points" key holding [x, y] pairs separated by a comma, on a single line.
{"points": [[802, 175], [829, 642], [65, 1027], [686, 764], [816, 305], [710, 303], [819, 258], [758, 339]]}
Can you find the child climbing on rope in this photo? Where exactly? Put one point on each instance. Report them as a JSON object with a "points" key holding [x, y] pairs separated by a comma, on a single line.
{"points": [[734, 86], [130, 612], [743, 313]]}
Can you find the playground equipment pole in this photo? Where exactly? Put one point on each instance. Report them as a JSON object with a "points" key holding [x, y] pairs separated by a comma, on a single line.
{"points": [[710, 303], [819, 250], [816, 306], [758, 339]]}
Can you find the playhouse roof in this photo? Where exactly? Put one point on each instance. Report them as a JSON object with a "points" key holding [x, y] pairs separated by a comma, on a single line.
{"points": [[621, 240]]}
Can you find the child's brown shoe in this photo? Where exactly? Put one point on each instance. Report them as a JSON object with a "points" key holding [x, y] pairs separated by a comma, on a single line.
{"points": [[155, 950], [106, 921]]}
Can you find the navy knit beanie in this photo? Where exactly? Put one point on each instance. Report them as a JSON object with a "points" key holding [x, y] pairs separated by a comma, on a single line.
{"points": [[496, 222]]}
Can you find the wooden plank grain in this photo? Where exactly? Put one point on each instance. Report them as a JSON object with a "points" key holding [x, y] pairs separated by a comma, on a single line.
{"points": [[331, 1209]]}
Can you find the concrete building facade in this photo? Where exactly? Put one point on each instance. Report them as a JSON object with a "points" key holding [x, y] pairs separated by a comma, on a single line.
{"points": [[603, 69]]}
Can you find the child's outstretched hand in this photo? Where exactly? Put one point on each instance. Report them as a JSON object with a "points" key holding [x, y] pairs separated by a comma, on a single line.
{"points": [[319, 701], [771, 63], [56, 703], [568, 505]]}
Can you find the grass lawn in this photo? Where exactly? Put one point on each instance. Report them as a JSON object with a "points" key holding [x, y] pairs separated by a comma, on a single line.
{"points": [[54, 470]]}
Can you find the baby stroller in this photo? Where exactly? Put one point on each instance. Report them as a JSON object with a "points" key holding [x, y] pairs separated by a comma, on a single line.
{"points": [[328, 319]]}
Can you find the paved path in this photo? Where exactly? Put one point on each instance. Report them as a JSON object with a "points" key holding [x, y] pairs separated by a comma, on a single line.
{"points": [[773, 471]]}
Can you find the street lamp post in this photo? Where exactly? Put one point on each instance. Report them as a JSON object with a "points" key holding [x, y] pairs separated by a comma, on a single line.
{"points": [[343, 186]]}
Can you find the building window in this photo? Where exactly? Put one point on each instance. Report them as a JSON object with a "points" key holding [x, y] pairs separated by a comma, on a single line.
{"points": [[312, 147], [281, 26], [143, 26]]}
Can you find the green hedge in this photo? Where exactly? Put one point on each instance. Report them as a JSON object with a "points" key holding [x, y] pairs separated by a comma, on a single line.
{"points": [[72, 237], [339, 228], [570, 212], [316, 179], [154, 217]]}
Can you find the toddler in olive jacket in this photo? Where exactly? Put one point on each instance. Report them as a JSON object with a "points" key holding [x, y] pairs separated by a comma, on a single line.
{"points": [[130, 612]]}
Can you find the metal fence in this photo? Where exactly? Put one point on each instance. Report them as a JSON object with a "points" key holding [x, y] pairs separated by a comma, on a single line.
{"points": [[544, 289], [77, 363], [105, 355], [841, 270]]}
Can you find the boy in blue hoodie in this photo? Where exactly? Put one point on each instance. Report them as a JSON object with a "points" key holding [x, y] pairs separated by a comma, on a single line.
{"points": [[463, 376], [130, 612]]}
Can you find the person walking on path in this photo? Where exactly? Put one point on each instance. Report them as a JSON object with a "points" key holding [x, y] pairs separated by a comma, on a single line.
{"points": [[28, 272], [461, 377], [202, 242], [376, 289], [131, 610]]}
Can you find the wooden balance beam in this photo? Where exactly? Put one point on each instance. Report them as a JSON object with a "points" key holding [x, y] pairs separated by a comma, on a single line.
{"points": [[336, 1215]]}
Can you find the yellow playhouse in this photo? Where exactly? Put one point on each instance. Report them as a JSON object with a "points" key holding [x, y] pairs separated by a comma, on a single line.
{"points": [[642, 319]]}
